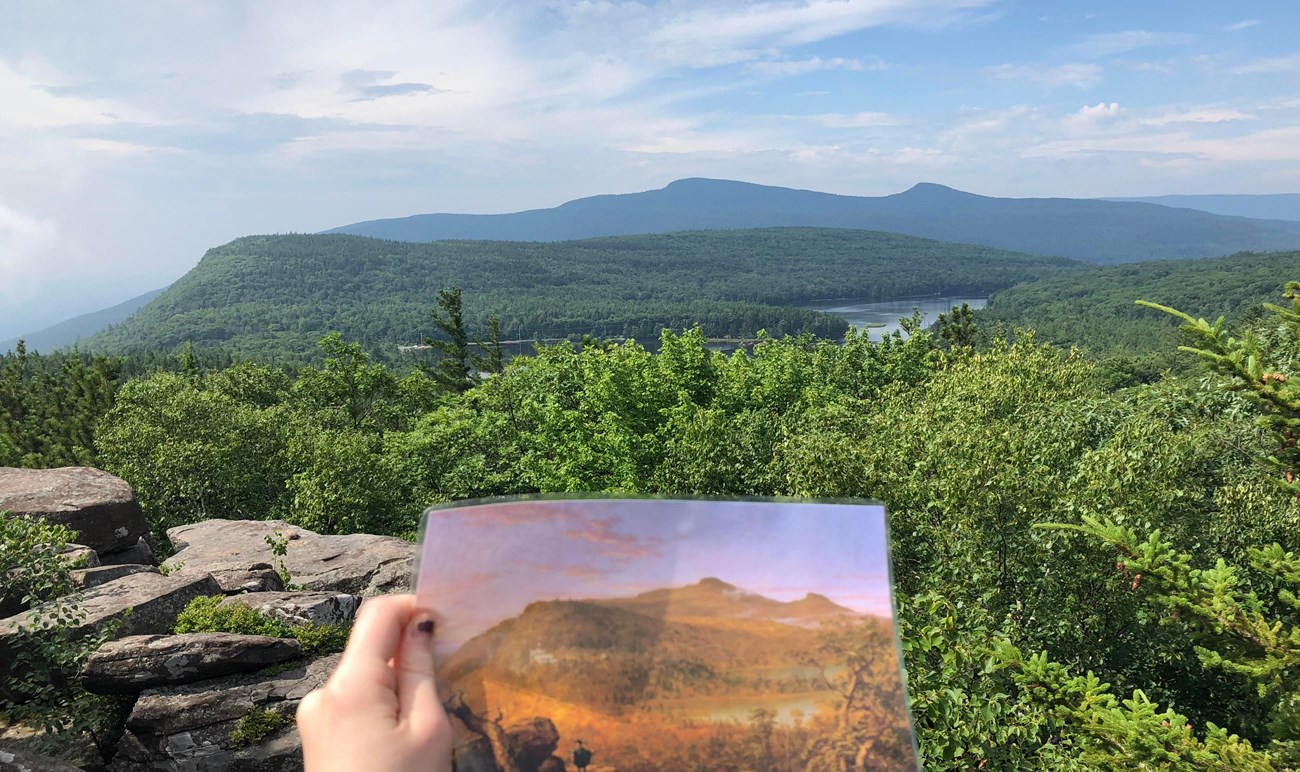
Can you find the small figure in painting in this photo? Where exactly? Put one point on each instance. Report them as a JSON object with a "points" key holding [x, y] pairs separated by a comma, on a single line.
{"points": [[581, 755]]}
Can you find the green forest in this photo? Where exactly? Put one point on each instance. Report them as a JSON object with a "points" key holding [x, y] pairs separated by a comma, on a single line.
{"points": [[1092, 574], [1094, 309], [273, 297]]}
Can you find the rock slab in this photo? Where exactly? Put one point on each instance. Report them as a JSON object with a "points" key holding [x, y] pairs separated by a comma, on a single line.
{"points": [[301, 608], [259, 577], [154, 601], [357, 564], [188, 727], [86, 578], [139, 662], [100, 508]]}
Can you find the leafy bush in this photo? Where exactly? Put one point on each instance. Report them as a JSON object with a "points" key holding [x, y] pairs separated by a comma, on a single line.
{"points": [[255, 726], [207, 615], [32, 568], [39, 687]]}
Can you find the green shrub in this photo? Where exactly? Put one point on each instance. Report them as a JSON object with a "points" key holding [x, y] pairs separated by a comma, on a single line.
{"points": [[39, 687], [32, 568], [207, 615], [255, 726]]}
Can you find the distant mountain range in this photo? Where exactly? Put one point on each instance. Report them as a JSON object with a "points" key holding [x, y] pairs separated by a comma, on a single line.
{"points": [[1096, 231], [1268, 206], [67, 333], [1102, 231]]}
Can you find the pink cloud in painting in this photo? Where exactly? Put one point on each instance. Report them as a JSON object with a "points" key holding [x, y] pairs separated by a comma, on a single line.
{"points": [[483, 564], [601, 531]]}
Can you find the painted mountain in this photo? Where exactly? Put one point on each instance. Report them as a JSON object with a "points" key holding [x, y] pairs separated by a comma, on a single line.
{"points": [[1097, 231], [695, 667]]}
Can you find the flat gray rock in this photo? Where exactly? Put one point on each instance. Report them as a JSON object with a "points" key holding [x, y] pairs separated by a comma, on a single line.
{"points": [[100, 508], [139, 662], [357, 564], [301, 608], [85, 578], [154, 602], [188, 727], [259, 577]]}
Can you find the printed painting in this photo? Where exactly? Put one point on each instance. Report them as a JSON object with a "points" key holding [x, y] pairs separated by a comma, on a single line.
{"points": [[622, 635]]}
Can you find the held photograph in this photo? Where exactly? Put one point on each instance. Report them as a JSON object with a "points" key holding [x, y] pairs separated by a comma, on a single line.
{"points": [[620, 635]]}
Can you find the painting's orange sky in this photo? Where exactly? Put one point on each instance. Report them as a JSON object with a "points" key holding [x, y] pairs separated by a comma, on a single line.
{"points": [[484, 563]]}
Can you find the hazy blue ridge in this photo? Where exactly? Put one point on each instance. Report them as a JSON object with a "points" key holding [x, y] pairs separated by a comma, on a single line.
{"points": [[1266, 206], [68, 332], [1093, 230]]}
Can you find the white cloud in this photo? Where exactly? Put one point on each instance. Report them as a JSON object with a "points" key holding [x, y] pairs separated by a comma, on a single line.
{"points": [[1199, 115], [112, 148], [1098, 111], [738, 25], [1241, 25], [28, 244], [1091, 119], [1159, 68], [1276, 145], [1111, 43], [811, 64], [855, 120], [1076, 75], [1271, 65], [31, 101]]}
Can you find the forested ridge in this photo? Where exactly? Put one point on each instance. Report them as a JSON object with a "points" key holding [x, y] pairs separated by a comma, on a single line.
{"points": [[1095, 309], [273, 296], [1090, 577]]}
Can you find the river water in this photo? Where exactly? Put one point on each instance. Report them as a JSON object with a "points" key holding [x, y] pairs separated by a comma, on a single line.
{"points": [[887, 313]]}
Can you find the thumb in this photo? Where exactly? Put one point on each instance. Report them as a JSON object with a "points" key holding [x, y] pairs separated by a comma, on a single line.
{"points": [[417, 690]]}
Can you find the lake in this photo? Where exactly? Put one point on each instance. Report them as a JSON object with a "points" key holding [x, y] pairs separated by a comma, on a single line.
{"points": [[888, 312]]}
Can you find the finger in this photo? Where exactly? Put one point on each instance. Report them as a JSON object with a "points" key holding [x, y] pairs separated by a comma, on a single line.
{"points": [[417, 688], [375, 638]]}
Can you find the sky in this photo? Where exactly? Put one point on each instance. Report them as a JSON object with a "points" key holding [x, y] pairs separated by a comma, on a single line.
{"points": [[134, 135], [482, 564]]}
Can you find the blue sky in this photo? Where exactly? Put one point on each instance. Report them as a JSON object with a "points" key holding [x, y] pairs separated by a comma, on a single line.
{"points": [[135, 135], [483, 564]]}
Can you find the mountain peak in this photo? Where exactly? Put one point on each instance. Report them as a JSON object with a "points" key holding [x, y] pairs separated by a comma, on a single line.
{"points": [[701, 182], [933, 190], [714, 583]]}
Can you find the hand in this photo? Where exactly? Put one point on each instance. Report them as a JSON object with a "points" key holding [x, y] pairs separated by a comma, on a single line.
{"points": [[379, 710]]}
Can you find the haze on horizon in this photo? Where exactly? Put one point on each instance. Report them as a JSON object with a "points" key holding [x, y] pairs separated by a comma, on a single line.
{"points": [[134, 137]]}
